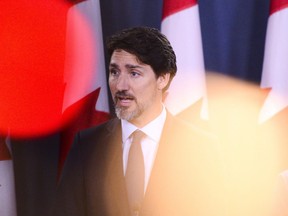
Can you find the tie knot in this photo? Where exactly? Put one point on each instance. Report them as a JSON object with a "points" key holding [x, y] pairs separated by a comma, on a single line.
{"points": [[137, 136]]}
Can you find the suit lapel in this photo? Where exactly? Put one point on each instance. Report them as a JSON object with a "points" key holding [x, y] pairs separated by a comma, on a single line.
{"points": [[161, 172], [115, 174]]}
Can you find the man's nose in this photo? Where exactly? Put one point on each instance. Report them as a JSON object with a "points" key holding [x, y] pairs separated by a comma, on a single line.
{"points": [[122, 83]]}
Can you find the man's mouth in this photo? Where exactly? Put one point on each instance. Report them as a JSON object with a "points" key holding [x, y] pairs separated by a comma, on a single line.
{"points": [[124, 98]]}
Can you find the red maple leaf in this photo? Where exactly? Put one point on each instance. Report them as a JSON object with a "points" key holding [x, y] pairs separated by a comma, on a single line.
{"points": [[80, 115]]}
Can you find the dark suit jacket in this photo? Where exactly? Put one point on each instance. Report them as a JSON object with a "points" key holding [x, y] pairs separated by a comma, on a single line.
{"points": [[184, 179]]}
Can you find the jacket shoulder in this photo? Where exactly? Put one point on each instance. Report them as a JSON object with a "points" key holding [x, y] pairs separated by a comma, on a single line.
{"points": [[180, 128]]}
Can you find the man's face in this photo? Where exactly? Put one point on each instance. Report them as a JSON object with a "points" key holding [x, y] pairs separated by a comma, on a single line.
{"points": [[136, 92]]}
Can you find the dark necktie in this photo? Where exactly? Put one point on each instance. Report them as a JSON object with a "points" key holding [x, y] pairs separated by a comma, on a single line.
{"points": [[4, 151], [135, 173]]}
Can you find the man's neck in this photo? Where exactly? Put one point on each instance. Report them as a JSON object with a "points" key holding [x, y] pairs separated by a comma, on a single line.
{"points": [[141, 121]]}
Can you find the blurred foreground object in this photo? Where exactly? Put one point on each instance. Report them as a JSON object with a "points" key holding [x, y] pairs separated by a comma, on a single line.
{"points": [[253, 153], [32, 37]]}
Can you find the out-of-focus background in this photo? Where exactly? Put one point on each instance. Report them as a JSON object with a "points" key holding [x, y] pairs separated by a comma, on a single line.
{"points": [[232, 80]]}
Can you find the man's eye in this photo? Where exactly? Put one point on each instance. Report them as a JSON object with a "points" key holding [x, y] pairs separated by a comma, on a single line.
{"points": [[114, 72], [134, 74]]}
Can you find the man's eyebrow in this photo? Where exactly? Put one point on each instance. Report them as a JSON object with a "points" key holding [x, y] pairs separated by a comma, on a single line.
{"points": [[130, 66], [113, 65]]}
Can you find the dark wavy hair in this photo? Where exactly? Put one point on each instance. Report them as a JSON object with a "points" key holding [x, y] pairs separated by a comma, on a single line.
{"points": [[149, 45]]}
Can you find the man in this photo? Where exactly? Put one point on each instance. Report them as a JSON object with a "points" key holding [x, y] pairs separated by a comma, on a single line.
{"points": [[180, 172]]}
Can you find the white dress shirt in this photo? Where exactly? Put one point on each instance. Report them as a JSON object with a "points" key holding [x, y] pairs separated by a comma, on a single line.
{"points": [[149, 144]]}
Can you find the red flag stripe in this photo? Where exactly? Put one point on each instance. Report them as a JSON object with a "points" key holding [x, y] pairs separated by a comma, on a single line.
{"points": [[277, 5], [171, 6]]}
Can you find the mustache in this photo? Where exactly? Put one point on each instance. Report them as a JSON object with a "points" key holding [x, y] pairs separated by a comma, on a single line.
{"points": [[123, 95]]}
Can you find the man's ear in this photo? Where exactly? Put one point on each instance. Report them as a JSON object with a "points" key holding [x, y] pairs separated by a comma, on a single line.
{"points": [[163, 81]]}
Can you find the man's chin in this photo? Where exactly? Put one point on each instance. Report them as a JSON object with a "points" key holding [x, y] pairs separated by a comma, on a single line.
{"points": [[126, 114]]}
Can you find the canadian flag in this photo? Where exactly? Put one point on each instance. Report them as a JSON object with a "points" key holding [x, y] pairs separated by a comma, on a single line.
{"points": [[181, 25], [85, 101], [275, 66]]}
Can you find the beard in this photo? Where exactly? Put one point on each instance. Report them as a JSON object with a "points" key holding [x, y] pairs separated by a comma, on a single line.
{"points": [[128, 115], [124, 112]]}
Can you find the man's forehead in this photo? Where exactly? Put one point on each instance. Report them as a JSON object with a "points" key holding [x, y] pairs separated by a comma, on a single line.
{"points": [[124, 53], [119, 56]]}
